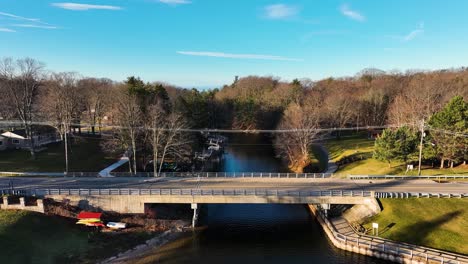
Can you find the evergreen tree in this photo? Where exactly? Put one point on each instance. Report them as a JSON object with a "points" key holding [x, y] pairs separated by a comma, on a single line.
{"points": [[400, 145], [447, 127]]}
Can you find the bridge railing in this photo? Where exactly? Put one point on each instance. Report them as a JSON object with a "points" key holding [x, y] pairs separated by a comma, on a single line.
{"points": [[416, 253], [227, 174], [176, 174], [406, 177], [399, 195], [202, 192], [13, 192]]}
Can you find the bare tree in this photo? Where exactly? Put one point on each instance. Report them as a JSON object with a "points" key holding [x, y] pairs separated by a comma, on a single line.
{"points": [[128, 117], [295, 146], [21, 80], [96, 94], [166, 138], [61, 102], [156, 129]]}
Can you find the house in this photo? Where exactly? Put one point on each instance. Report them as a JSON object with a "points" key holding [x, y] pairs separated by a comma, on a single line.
{"points": [[17, 139]]}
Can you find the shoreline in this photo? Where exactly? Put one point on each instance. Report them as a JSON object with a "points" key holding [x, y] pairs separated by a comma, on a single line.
{"points": [[149, 245], [394, 251]]}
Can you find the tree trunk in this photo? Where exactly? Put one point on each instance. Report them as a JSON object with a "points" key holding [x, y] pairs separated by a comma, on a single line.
{"points": [[155, 155], [451, 164], [134, 157], [442, 161], [29, 135], [66, 151], [162, 159]]}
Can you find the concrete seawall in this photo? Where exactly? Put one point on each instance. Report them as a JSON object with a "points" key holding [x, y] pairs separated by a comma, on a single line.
{"points": [[387, 251]]}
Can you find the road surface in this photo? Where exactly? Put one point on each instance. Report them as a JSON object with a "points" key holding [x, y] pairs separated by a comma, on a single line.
{"points": [[421, 186]]}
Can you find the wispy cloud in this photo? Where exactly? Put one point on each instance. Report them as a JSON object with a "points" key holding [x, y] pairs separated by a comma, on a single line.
{"points": [[24, 22], [4, 29], [411, 35], [34, 26], [236, 56], [175, 2], [280, 11], [85, 7], [15, 17], [352, 14]]}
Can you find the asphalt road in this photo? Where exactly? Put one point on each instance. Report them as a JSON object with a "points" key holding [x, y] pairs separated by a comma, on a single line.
{"points": [[421, 186]]}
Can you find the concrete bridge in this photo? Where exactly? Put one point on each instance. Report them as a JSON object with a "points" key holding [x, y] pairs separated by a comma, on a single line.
{"points": [[134, 195], [131, 195], [135, 200]]}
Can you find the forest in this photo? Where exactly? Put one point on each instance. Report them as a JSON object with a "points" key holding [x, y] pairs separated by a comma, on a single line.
{"points": [[147, 119]]}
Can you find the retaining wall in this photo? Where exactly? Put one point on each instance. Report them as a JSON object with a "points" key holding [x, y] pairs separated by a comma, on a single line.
{"points": [[6, 205], [387, 250]]}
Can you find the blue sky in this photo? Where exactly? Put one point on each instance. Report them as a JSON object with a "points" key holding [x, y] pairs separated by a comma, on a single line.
{"points": [[205, 43]]}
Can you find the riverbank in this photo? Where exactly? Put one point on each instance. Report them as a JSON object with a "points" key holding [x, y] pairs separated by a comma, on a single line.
{"points": [[149, 246], [344, 237], [54, 237], [436, 223]]}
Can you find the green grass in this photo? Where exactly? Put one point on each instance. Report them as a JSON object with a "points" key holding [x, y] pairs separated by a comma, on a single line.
{"points": [[374, 167], [27, 237], [436, 223], [361, 146], [86, 155], [353, 145]]}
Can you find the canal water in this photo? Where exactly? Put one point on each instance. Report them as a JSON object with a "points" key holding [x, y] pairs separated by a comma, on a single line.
{"points": [[239, 233]]}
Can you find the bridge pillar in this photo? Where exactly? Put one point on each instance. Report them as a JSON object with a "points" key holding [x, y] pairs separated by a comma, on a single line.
{"points": [[195, 215], [325, 208]]}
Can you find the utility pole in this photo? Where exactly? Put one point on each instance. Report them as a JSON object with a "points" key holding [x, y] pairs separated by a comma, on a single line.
{"points": [[421, 147]]}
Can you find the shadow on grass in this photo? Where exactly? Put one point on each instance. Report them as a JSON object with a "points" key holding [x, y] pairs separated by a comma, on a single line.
{"points": [[418, 233]]}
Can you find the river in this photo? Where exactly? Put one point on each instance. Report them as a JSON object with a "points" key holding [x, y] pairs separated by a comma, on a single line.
{"points": [[239, 233]]}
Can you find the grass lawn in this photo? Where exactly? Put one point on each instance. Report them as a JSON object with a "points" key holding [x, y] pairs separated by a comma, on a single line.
{"points": [[27, 237], [360, 145], [347, 146], [436, 223], [86, 155], [374, 167]]}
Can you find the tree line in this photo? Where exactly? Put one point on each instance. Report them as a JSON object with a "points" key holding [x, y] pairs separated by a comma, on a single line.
{"points": [[148, 116], [444, 138]]}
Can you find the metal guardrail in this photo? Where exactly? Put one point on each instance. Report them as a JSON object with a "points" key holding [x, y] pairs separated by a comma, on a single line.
{"points": [[178, 174], [228, 174], [416, 253], [49, 174], [201, 192], [418, 195], [13, 192], [405, 177]]}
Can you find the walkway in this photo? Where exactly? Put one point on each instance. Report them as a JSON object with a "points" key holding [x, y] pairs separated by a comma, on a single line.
{"points": [[124, 159], [344, 232]]}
